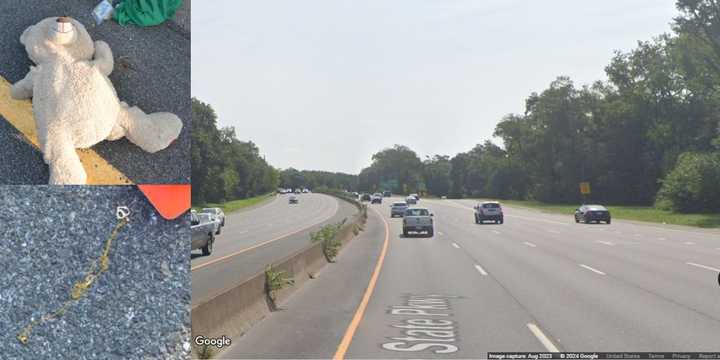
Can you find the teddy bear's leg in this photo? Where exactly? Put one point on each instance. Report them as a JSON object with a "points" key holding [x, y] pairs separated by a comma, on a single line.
{"points": [[22, 89], [152, 132], [63, 160]]}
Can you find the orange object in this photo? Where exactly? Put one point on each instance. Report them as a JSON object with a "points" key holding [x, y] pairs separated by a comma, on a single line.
{"points": [[170, 201]]}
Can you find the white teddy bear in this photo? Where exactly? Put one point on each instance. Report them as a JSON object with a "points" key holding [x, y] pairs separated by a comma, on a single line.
{"points": [[75, 104]]}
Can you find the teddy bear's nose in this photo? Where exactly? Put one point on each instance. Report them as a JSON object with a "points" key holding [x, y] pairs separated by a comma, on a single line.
{"points": [[64, 25]]}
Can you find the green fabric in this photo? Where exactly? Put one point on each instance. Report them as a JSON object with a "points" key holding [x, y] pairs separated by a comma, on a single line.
{"points": [[145, 12]]}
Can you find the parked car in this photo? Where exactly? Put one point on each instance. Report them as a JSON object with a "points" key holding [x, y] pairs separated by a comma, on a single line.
{"points": [[418, 220], [365, 197], [293, 200], [416, 196], [202, 230], [217, 212], [376, 198], [387, 194], [398, 209], [411, 200], [590, 213], [489, 210]]}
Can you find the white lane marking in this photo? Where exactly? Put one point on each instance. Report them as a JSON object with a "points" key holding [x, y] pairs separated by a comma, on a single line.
{"points": [[543, 339], [529, 244], [689, 243], [535, 219], [480, 269], [703, 266], [456, 245], [440, 233], [553, 231], [608, 243], [591, 269], [717, 249], [638, 235], [661, 238], [496, 232]]}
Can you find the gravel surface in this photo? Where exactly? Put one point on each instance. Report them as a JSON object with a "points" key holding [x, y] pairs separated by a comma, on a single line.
{"points": [[152, 71], [137, 309]]}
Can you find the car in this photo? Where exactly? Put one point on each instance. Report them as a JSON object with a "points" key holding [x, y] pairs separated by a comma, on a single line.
{"points": [[215, 220], [376, 198], [293, 200], [416, 196], [305, 191], [590, 213], [411, 200], [398, 209], [297, 191], [387, 194], [365, 197], [217, 212], [418, 220], [489, 210], [202, 230]]}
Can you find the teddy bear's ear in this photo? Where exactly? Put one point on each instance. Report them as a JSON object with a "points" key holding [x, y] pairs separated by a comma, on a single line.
{"points": [[25, 34]]}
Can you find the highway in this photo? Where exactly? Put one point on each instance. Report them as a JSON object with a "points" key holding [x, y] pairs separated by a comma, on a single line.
{"points": [[539, 282], [253, 238]]}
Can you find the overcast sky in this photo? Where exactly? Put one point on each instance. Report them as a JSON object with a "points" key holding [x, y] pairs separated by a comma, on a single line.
{"points": [[324, 84]]}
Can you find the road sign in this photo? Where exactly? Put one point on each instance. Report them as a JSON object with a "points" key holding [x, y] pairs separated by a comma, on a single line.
{"points": [[585, 188]]}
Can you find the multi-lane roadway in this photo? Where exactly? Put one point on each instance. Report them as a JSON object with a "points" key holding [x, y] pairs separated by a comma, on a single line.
{"points": [[254, 238], [539, 282]]}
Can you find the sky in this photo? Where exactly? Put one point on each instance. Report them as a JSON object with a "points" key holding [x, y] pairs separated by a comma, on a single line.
{"points": [[324, 84]]}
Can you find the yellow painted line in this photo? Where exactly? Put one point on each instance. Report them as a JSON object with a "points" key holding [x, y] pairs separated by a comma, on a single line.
{"points": [[19, 114], [228, 256], [360, 312]]}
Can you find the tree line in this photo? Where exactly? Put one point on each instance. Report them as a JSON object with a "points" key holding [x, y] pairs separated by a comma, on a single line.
{"points": [[649, 134], [223, 167]]}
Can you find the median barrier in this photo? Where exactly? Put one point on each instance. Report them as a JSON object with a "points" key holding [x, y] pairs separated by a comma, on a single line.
{"points": [[233, 312]]}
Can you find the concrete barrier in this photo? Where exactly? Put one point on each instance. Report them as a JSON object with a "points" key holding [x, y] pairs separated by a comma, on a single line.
{"points": [[233, 312]]}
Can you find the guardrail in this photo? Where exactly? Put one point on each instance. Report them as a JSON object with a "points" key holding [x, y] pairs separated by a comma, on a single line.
{"points": [[233, 312]]}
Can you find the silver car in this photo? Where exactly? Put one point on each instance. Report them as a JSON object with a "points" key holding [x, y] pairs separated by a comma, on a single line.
{"points": [[398, 209], [489, 210], [203, 232], [217, 212]]}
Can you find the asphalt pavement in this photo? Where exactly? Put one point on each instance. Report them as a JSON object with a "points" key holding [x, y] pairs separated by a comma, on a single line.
{"points": [[539, 282], [260, 236], [137, 309], [152, 71]]}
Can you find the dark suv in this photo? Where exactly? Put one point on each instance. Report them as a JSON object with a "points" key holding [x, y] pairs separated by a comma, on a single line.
{"points": [[590, 213]]}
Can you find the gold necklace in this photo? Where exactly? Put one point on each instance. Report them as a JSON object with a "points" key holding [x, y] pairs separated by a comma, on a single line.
{"points": [[81, 287]]}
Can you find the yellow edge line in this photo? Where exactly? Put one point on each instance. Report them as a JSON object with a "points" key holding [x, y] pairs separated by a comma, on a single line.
{"points": [[228, 256], [19, 114], [350, 332]]}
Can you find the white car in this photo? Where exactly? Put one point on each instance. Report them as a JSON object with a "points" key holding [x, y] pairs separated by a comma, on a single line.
{"points": [[488, 210], [217, 212], [398, 209], [411, 200], [418, 220]]}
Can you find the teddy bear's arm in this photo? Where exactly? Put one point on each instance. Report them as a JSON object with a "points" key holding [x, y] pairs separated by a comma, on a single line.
{"points": [[23, 89], [103, 58]]}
